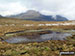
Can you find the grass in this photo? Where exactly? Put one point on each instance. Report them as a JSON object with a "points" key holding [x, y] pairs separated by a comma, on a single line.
{"points": [[37, 49], [19, 25], [47, 48]]}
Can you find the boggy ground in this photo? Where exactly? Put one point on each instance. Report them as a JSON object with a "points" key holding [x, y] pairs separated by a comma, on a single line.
{"points": [[47, 48], [12, 25]]}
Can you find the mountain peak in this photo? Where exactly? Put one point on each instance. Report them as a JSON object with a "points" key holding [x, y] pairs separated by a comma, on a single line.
{"points": [[33, 13]]}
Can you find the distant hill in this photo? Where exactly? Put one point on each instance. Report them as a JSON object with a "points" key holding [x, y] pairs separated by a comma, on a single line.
{"points": [[1, 16], [37, 16]]}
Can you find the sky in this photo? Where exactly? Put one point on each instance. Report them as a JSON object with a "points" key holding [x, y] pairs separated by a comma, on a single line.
{"points": [[64, 8]]}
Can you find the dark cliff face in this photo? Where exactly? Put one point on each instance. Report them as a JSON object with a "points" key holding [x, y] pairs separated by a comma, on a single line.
{"points": [[37, 16]]}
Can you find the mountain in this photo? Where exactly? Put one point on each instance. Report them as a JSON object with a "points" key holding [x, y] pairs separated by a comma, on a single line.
{"points": [[1, 16], [37, 16]]}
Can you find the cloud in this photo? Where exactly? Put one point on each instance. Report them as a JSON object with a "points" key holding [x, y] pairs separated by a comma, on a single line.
{"points": [[53, 7], [48, 7], [12, 8]]}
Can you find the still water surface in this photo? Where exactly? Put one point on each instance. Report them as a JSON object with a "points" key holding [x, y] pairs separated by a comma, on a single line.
{"points": [[39, 38]]}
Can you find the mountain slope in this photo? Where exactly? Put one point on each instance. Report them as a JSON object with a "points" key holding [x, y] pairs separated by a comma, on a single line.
{"points": [[36, 16], [1, 16]]}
